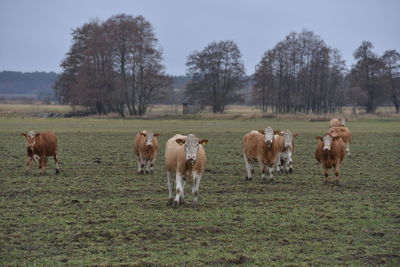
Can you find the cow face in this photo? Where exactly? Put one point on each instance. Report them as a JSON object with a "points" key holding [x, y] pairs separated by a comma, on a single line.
{"points": [[328, 140], [268, 136], [191, 146], [30, 140], [149, 138]]}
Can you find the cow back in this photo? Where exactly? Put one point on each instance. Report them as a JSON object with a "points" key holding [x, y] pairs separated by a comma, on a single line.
{"points": [[45, 144]]}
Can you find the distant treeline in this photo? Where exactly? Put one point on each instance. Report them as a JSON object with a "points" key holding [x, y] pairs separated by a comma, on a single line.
{"points": [[33, 83], [40, 84]]}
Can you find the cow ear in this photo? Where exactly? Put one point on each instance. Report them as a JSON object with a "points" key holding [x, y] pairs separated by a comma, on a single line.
{"points": [[143, 134], [156, 134], [37, 134], [319, 138], [295, 134], [277, 132], [180, 141], [281, 133], [23, 134], [203, 141], [261, 131]]}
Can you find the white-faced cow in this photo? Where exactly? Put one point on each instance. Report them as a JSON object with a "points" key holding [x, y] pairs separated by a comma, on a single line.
{"points": [[39, 146], [262, 147], [330, 153], [185, 159], [145, 147], [344, 133], [285, 140]]}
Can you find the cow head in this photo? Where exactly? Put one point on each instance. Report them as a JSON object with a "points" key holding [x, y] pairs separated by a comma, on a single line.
{"points": [[328, 139], [30, 140], [268, 136], [149, 138], [191, 146]]}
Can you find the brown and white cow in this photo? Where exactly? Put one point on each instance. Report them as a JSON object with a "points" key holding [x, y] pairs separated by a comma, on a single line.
{"points": [[330, 153], [344, 133], [185, 158], [337, 122], [285, 140], [146, 147], [262, 147], [39, 146]]}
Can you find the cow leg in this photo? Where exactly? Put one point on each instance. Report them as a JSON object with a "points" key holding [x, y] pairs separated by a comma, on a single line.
{"points": [[147, 164], [195, 187], [182, 197], [337, 166], [42, 164], [28, 164], [152, 165], [278, 162], [348, 149], [262, 167], [271, 171], [140, 164], [325, 175], [170, 176], [249, 167], [179, 189], [56, 160]]}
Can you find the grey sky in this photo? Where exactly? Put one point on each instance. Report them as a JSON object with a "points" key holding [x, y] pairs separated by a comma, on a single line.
{"points": [[35, 34]]}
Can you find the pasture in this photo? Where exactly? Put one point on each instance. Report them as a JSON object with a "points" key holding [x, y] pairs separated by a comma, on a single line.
{"points": [[99, 211]]}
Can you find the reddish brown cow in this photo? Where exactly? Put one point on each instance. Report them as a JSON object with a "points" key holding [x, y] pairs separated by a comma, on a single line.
{"points": [[330, 153], [146, 147], [344, 133], [262, 147], [39, 147]]}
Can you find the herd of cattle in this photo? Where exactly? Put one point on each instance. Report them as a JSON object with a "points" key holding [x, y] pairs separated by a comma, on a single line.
{"points": [[185, 156]]}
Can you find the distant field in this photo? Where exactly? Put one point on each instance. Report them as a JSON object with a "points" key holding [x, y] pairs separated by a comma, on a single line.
{"points": [[98, 211], [18, 110]]}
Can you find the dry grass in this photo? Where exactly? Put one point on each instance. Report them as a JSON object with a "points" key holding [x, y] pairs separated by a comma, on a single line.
{"points": [[175, 111]]}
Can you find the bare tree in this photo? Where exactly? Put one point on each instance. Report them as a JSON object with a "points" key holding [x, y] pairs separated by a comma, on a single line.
{"points": [[300, 74], [111, 65], [367, 74], [217, 74], [391, 59]]}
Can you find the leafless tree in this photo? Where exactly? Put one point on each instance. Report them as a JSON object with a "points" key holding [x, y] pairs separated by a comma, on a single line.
{"points": [[217, 74], [300, 74], [111, 65], [367, 73], [391, 59]]}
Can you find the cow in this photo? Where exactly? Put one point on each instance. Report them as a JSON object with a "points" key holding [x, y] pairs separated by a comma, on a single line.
{"points": [[285, 140], [39, 146], [345, 134], [262, 147], [330, 153], [145, 147], [185, 158], [340, 122]]}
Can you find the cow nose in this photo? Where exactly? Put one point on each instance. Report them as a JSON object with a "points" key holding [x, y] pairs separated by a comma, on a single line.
{"points": [[326, 149]]}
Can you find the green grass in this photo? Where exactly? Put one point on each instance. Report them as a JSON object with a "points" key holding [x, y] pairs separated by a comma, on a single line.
{"points": [[99, 211]]}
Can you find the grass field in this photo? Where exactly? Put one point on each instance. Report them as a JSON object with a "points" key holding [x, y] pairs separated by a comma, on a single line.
{"points": [[98, 211]]}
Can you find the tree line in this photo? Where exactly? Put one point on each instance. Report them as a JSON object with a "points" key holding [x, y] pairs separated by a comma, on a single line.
{"points": [[116, 65]]}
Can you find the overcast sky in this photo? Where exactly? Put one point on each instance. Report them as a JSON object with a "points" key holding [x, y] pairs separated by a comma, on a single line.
{"points": [[36, 34]]}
